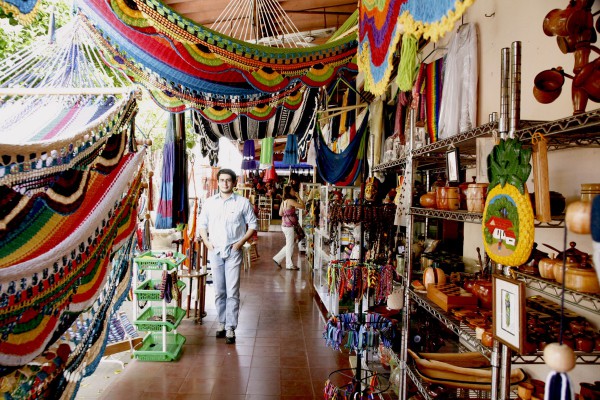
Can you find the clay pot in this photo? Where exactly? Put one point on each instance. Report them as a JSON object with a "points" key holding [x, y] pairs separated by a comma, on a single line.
{"points": [[547, 85], [433, 275], [482, 289], [579, 217], [584, 343], [428, 200], [487, 339], [588, 79], [566, 22], [589, 391], [462, 193], [589, 191], [546, 267], [582, 279], [476, 194], [447, 198]]}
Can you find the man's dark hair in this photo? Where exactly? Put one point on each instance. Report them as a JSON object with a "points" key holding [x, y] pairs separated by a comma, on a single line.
{"points": [[227, 171]]}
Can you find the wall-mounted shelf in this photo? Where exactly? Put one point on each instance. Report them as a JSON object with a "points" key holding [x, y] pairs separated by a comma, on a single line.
{"points": [[456, 394], [459, 215], [538, 358], [390, 164], [464, 332], [573, 131], [589, 302], [465, 216]]}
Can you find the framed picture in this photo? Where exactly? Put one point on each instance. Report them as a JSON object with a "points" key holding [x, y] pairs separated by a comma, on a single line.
{"points": [[509, 312], [452, 165]]}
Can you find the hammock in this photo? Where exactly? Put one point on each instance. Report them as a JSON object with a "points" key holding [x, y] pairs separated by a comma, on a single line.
{"points": [[62, 115], [164, 212], [382, 24], [56, 263], [343, 167], [67, 207], [185, 65]]}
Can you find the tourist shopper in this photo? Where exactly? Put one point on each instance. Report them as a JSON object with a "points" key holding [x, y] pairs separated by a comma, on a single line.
{"points": [[227, 221], [289, 218]]}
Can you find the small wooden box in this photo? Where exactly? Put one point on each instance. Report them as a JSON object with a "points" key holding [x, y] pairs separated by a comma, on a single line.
{"points": [[449, 296]]}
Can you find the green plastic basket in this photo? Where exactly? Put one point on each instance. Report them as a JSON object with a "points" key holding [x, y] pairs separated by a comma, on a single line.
{"points": [[146, 291], [152, 260], [144, 323], [151, 348]]}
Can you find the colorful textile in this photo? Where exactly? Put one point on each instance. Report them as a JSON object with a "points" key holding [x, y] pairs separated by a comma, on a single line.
{"points": [[290, 154], [248, 161], [164, 212], [344, 166], [55, 137], [57, 263], [88, 352], [24, 11], [266, 151], [433, 96], [64, 195], [185, 65], [382, 23], [407, 69]]}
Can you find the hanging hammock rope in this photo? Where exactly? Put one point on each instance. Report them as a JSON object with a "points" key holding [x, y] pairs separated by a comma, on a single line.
{"points": [[262, 22]]}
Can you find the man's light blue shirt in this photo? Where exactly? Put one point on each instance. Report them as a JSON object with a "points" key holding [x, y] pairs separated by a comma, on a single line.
{"points": [[226, 220]]}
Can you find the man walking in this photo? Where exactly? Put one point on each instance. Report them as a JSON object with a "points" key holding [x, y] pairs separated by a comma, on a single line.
{"points": [[227, 221]]}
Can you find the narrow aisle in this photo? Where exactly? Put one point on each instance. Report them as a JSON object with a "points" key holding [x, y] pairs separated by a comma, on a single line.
{"points": [[279, 351]]}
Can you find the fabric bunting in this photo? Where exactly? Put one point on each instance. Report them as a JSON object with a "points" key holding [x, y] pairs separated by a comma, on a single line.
{"points": [[344, 166], [381, 25]]}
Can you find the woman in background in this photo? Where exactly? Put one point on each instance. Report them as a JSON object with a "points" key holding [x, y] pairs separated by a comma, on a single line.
{"points": [[287, 211]]}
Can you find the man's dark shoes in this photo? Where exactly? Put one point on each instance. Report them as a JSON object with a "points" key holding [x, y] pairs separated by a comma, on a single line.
{"points": [[276, 263]]}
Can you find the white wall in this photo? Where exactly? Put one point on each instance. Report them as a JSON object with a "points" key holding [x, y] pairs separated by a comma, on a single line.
{"points": [[517, 20], [513, 20]]}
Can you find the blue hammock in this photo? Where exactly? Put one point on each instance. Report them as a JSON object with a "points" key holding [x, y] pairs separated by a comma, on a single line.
{"points": [[164, 213], [337, 167]]}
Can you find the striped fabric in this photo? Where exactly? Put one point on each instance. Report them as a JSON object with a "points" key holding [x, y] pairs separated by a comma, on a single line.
{"points": [[433, 96]]}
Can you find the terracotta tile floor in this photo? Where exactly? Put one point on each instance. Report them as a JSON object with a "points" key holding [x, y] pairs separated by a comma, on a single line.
{"points": [[278, 354]]}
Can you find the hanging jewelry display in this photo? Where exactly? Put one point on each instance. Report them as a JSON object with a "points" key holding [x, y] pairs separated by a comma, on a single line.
{"points": [[354, 279]]}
